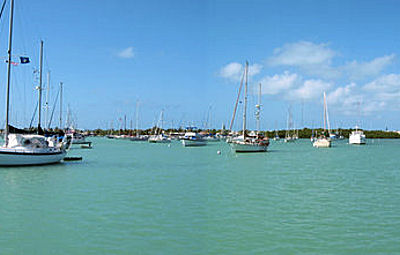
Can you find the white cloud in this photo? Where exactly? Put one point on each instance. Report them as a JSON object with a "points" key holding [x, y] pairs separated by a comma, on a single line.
{"points": [[302, 53], [316, 60], [127, 53], [387, 83], [359, 70], [385, 90], [273, 85], [346, 99], [311, 89], [234, 71]]}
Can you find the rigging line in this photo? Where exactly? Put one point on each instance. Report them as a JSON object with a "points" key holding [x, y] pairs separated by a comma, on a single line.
{"points": [[236, 104], [52, 112], [33, 116], [2, 8]]}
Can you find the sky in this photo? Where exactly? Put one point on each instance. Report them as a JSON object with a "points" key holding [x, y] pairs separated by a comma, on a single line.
{"points": [[185, 58]]}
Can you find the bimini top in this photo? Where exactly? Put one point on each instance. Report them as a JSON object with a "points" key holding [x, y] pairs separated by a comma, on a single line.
{"points": [[27, 141]]}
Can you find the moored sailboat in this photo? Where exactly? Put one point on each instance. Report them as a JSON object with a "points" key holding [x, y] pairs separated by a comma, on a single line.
{"points": [[246, 143], [159, 136], [27, 149], [324, 141]]}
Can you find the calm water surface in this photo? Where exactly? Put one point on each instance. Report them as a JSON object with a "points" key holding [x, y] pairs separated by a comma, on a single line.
{"points": [[139, 198]]}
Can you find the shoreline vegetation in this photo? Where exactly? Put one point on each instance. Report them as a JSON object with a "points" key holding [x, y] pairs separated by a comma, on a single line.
{"points": [[302, 133]]}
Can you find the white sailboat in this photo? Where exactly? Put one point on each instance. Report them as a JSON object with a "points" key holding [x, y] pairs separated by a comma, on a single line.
{"points": [[324, 141], [288, 136], [23, 149], [159, 136], [246, 143], [137, 137]]}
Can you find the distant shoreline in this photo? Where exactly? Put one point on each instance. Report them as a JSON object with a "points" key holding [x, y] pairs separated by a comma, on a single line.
{"points": [[302, 133]]}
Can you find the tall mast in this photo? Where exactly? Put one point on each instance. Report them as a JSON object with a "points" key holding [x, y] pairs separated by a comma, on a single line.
{"points": [[9, 70], [324, 112], [46, 116], [245, 99], [125, 122], [40, 86], [162, 120], [236, 103], [327, 115], [258, 107], [137, 118], [61, 103]]}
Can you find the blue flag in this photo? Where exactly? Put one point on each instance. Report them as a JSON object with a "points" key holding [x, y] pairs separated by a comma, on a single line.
{"points": [[24, 60]]}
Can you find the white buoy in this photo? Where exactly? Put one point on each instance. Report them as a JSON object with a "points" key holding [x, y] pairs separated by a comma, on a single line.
{"points": [[219, 152]]}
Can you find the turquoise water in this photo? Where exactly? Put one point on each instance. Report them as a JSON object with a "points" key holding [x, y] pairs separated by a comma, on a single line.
{"points": [[140, 198]]}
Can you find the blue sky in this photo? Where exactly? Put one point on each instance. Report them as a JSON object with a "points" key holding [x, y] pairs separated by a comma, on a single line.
{"points": [[186, 56]]}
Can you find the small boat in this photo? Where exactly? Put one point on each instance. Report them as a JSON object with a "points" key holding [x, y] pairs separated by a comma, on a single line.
{"points": [[139, 138], [161, 138], [322, 141], [276, 138], [357, 137], [191, 139]]}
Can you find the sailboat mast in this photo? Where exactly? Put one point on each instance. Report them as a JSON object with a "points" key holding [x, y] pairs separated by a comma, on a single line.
{"points": [[137, 118], [324, 112], [40, 86], [245, 100], [61, 103], [258, 108], [9, 71], [327, 115], [47, 99], [236, 103]]}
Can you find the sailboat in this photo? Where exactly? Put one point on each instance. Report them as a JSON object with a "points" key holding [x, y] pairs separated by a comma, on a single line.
{"points": [[27, 149], [246, 143], [324, 141], [137, 137], [159, 136], [288, 136]]}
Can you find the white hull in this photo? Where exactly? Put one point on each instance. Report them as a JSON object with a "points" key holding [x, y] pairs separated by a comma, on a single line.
{"points": [[248, 147], [159, 141], [357, 137], [357, 140], [9, 158], [322, 143], [193, 143]]}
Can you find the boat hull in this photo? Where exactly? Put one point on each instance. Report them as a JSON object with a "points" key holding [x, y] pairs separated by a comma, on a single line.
{"points": [[322, 143], [357, 139], [15, 158], [159, 141], [192, 143], [245, 148]]}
